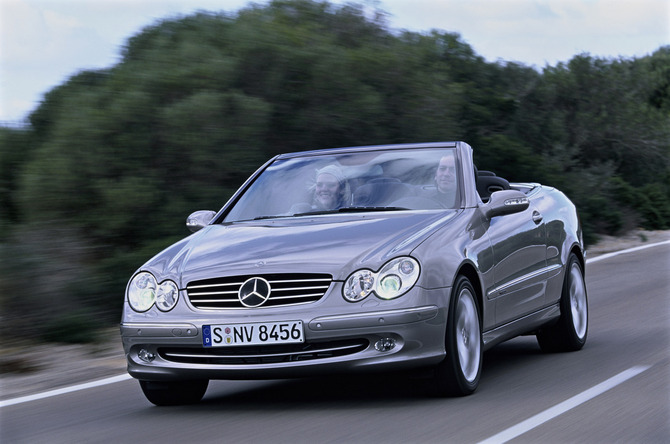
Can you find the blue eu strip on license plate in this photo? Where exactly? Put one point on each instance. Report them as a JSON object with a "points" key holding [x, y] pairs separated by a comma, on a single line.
{"points": [[258, 333]]}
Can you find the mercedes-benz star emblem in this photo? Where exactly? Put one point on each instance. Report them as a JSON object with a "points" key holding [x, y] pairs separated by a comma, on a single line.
{"points": [[254, 292]]}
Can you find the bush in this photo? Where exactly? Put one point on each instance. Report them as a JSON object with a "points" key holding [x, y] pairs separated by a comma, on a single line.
{"points": [[654, 207], [599, 215], [650, 202], [79, 327]]}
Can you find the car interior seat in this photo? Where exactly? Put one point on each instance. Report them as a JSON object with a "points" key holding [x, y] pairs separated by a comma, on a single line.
{"points": [[488, 183], [380, 192]]}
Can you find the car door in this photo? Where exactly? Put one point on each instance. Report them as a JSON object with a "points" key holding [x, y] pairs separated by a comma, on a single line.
{"points": [[519, 250]]}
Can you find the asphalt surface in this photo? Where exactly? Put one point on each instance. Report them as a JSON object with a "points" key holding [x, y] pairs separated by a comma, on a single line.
{"points": [[617, 389]]}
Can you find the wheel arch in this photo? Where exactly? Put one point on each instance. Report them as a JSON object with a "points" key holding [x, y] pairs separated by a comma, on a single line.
{"points": [[577, 251], [469, 271]]}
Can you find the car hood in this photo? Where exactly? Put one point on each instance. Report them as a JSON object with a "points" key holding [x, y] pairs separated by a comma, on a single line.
{"points": [[333, 244]]}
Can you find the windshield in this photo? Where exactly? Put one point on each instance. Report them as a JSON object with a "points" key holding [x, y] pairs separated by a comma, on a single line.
{"points": [[413, 179]]}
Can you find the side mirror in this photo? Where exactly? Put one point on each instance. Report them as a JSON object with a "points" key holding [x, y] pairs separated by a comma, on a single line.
{"points": [[199, 220], [505, 202]]}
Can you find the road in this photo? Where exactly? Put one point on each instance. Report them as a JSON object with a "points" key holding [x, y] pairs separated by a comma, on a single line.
{"points": [[525, 396]]}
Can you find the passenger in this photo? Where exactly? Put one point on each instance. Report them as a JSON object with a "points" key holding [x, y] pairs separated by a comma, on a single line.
{"points": [[331, 189], [329, 192]]}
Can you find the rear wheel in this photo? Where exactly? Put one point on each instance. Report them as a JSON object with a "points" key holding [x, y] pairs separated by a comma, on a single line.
{"points": [[459, 373], [569, 333], [174, 392]]}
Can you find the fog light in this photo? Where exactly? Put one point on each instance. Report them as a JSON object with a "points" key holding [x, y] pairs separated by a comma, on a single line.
{"points": [[146, 355], [384, 345]]}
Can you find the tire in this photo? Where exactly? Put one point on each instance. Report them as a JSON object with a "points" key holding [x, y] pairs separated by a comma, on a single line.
{"points": [[164, 393], [459, 373], [570, 331]]}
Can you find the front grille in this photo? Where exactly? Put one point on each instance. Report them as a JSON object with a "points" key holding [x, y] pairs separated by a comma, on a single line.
{"points": [[263, 354], [287, 289]]}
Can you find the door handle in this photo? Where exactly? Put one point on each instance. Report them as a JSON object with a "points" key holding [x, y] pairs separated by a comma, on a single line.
{"points": [[537, 217]]}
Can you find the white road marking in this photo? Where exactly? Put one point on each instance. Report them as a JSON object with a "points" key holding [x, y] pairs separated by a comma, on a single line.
{"points": [[629, 250], [552, 412], [62, 391]]}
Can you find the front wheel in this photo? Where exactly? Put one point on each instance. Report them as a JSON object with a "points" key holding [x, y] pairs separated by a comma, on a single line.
{"points": [[174, 392], [569, 333], [459, 373]]}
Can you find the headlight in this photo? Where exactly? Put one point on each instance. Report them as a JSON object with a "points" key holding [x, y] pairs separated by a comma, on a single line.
{"points": [[359, 285], [394, 279], [166, 296], [144, 292]]}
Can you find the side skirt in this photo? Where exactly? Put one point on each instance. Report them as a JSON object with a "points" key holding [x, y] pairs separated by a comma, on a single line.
{"points": [[520, 326]]}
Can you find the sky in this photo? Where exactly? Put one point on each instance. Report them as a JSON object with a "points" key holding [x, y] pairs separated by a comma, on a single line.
{"points": [[45, 42]]}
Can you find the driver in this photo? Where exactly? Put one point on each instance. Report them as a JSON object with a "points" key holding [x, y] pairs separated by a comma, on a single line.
{"points": [[445, 180]]}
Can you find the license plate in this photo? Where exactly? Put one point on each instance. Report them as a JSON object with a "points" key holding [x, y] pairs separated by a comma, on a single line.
{"points": [[258, 333]]}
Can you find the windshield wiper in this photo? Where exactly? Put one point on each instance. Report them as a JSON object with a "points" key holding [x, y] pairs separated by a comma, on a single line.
{"points": [[359, 209], [277, 216], [335, 211], [350, 210]]}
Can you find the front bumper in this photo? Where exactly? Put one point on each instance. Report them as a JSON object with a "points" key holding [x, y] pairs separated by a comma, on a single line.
{"points": [[333, 344]]}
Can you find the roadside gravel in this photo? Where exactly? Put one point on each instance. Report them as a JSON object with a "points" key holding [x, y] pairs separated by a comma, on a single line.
{"points": [[28, 369], [34, 368], [635, 238]]}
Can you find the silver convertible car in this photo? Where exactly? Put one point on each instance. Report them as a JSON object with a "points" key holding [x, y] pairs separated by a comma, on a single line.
{"points": [[376, 258]]}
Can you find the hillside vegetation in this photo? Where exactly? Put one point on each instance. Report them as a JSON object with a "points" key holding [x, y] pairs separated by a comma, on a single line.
{"points": [[113, 161]]}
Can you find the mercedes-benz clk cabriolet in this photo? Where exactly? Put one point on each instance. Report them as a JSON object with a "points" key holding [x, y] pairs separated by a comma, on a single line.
{"points": [[376, 258]]}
